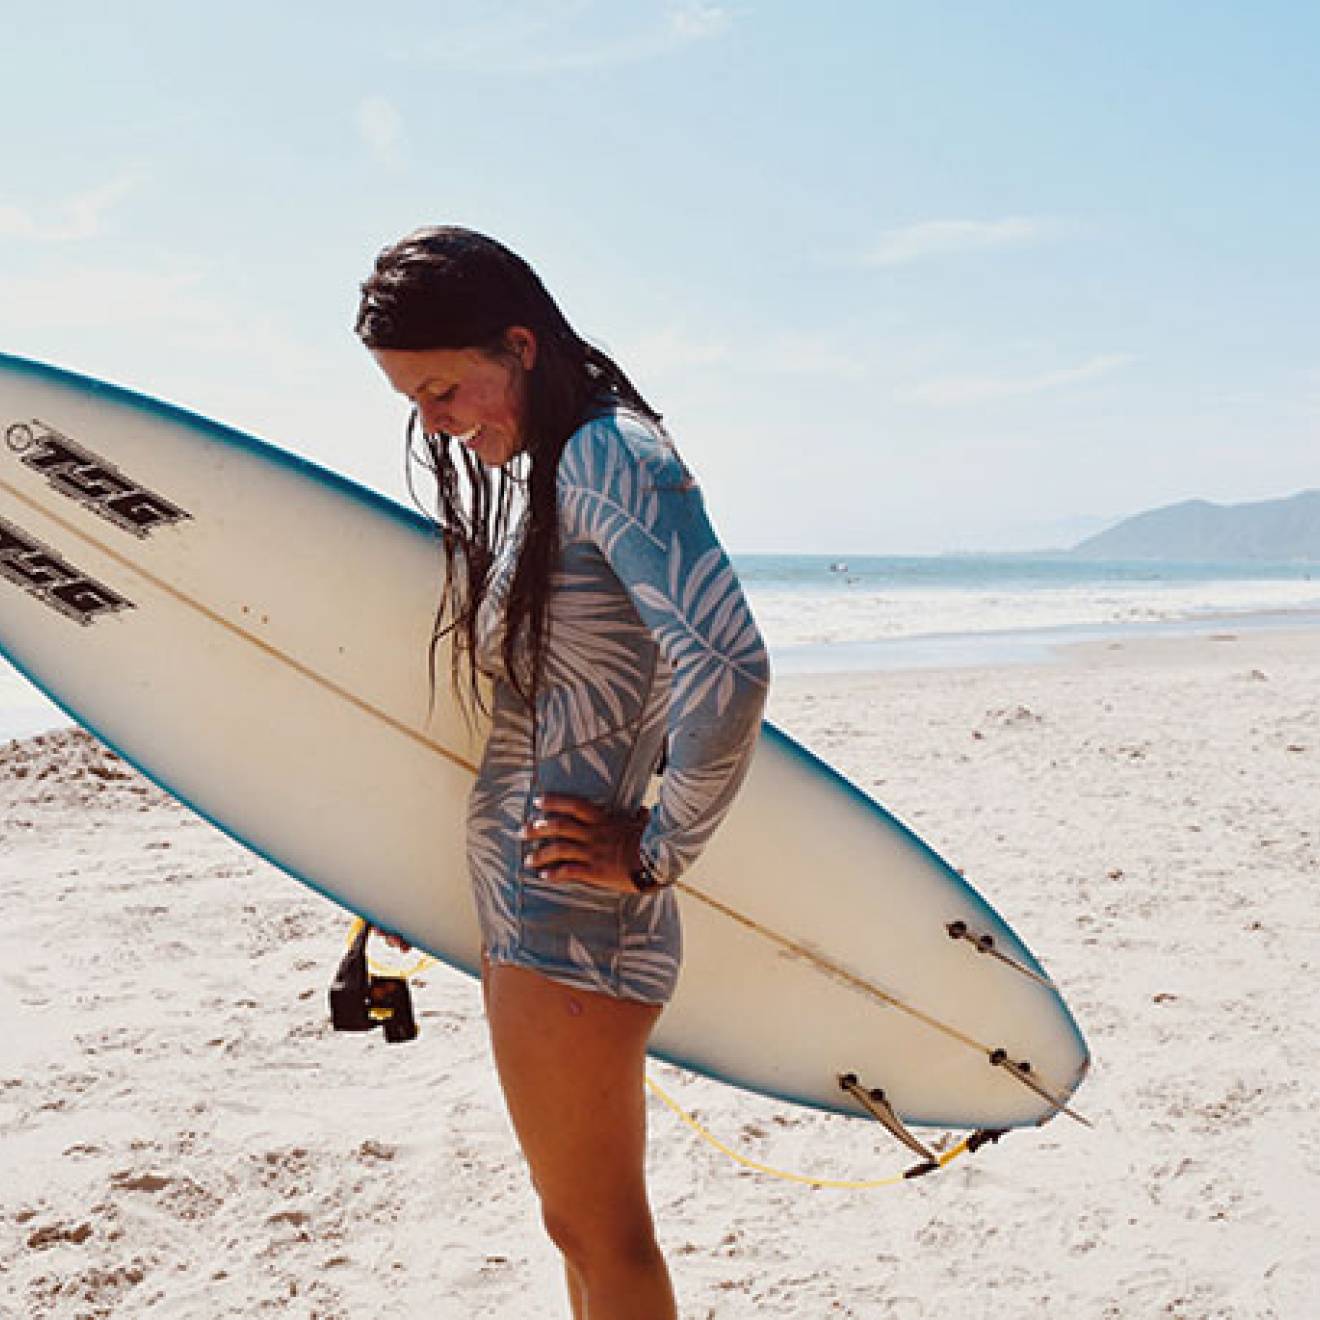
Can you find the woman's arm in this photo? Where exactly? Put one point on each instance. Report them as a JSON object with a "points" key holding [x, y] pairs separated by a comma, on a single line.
{"points": [[623, 488]]}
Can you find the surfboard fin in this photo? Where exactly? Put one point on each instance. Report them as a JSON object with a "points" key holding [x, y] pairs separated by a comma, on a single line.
{"points": [[985, 943], [875, 1104], [1022, 1071]]}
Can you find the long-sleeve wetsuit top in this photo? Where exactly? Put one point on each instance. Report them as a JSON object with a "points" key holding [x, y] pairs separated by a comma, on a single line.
{"points": [[650, 647]]}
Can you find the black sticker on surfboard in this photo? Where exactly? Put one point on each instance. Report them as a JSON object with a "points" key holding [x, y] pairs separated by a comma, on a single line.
{"points": [[34, 566], [92, 481]]}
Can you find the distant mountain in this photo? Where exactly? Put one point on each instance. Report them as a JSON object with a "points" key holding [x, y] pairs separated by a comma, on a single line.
{"points": [[1279, 531]]}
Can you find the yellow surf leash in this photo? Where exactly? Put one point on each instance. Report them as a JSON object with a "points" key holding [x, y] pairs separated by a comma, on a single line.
{"points": [[942, 1160], [424, 960]]}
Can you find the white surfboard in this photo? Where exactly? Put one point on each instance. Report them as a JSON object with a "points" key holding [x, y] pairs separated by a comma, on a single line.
{"points": [[251, 632]]}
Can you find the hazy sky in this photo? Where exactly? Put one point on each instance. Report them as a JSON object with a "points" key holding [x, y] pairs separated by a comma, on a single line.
{"points": [[903, 277]]}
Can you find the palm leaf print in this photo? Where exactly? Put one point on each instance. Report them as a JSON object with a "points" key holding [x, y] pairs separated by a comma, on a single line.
{"points": [[647, 633], [696, 799], [707, 631], [597, 489], [592, 643], [646, 973], [589, 975]]}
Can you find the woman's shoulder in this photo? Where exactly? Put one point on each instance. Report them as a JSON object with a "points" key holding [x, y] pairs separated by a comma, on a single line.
{"points": [[619, 441]]}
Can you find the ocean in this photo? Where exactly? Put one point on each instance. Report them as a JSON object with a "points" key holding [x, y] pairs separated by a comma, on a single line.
{"points": [[824, 613], [827, 613]]}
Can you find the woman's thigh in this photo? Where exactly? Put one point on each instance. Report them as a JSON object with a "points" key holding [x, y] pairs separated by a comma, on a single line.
{"points": [[572, 1066]]}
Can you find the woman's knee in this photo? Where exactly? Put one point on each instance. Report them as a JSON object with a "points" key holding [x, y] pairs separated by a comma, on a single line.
{"points": [[592, 1240]]}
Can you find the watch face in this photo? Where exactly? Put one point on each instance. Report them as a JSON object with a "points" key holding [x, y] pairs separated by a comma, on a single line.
{"points": [[644, 877]]}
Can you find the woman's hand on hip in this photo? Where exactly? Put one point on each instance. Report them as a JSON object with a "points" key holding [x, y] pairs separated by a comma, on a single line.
{"points": [[571, 838]]}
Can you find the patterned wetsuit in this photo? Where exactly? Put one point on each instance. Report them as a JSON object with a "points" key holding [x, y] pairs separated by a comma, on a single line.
{"points": [[650, 646]]}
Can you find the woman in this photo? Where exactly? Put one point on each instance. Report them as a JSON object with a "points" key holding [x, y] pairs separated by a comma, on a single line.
{"points": [[584, 580]]}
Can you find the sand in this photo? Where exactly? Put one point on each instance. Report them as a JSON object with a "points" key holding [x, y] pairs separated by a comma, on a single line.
{"points": [[182, 1135]]}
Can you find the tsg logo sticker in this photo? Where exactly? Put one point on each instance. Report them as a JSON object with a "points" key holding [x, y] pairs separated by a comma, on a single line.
{"points": [[28, 563], [95, 483]]}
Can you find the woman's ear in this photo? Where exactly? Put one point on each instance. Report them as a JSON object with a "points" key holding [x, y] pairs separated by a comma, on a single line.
{"points": [[521, 342]]}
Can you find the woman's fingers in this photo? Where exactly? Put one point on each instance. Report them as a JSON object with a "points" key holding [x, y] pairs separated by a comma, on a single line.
{"points": [[579, 874], [596, 860], [572, 838], [557, 829], [548, 854], [556, 841], [576, 808]]}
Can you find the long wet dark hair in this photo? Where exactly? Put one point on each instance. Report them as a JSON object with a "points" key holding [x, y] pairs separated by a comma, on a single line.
{"points": [[446, 287]]}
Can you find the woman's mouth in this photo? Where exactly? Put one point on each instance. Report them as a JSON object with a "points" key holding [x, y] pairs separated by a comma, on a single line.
{"points": [[468, 438]]}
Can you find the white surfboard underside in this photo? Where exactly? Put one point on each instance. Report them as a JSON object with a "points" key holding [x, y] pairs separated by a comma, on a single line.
{"points": [[268, 666]]}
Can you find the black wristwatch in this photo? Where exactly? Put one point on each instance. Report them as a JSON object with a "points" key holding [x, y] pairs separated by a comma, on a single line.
{"points": [[644, 877]]}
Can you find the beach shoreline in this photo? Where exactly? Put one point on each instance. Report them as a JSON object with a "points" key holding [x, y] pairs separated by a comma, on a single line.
{"points": [[183, 1134]]}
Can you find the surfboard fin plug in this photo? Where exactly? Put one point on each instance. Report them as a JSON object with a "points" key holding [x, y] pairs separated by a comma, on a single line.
{"points": [[985, 943], [360, 1001], [875, 1104], [1022, 1071]]}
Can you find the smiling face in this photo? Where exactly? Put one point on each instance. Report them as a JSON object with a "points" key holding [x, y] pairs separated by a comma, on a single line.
{"points": [[477, 397]]}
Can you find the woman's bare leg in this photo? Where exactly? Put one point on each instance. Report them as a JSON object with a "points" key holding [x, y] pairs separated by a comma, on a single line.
{"points": [[571, 1064], [577, 1297]]}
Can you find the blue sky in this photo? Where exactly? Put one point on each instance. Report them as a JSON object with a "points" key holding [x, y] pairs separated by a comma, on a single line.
{"points": [[902, 277]]}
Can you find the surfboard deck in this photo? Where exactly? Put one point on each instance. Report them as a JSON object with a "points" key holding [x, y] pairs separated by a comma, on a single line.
{"points": [[251, 631]]}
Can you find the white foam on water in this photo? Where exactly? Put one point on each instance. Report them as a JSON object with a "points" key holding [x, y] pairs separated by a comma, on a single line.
{"points": [[849, 615]]}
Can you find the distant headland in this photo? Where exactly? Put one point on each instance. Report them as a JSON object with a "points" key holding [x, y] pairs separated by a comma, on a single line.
{"points": [[1274, 531]]}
